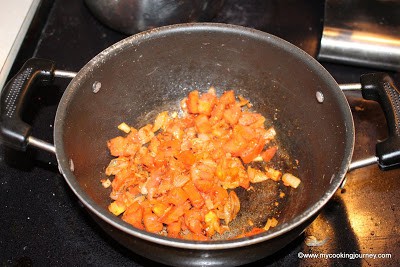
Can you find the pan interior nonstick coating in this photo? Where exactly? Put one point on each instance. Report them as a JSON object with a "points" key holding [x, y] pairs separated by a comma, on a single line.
{"points": [[141, 76]]}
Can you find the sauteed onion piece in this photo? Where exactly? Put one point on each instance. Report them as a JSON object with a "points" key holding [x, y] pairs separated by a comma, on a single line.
{"points": [[176, 177], [289, 179]]}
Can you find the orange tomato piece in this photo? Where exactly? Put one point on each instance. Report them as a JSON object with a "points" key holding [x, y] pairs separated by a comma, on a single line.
{"points": [[117, 146], [194, 195], [250, 118], [176, 196], [220, 196], [217, 113], [269, 153], [235, 146], [193, 220], [203, 185], [170, 147], [253, 231], [195, 237], [151, 223], [173, 214], [244, 132], [203, 170], [153, 182], [121, 179], [227, 98], [252, 150], [232, 114], [202, 174], [206, 103], [133, 215], [187, 157], [146, 134], [134, 190], [192, 102], [173, 229], [202, 124], [245, 182], [147, 160], [120, 146], [160, 208]]}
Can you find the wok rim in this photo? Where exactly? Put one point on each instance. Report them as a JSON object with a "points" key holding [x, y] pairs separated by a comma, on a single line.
{"points": [[64, 162]]}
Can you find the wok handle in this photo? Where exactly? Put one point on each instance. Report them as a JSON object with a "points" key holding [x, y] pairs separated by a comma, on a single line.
{"points": [[14, 132], [381, 88]]}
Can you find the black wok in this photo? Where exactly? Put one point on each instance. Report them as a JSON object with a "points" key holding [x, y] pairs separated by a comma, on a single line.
{"points": [[136, 78]]}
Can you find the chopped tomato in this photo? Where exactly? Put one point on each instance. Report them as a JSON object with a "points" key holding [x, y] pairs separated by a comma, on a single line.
{"points": [[232, 114], [146, 134], [206, 103], [202, 124], [252, 150], [250, 118], [160, 208], [187, 157], [193, 220], [194, 195], [227, 98], [177, 196], [151, 223], [235, 145], [269, 153], [120, 146], [134, 215], [173, 229], [217, 113], [173, 214], [176, 176], [254, 231], [193, 102]]}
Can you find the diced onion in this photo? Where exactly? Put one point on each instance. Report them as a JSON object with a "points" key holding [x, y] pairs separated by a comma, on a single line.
{"points": [[117, 207], [106, 183], [143, 188], [256, 176], [258, 159], [180, 180], [160, 120], [174, 115], [270, 223], [145, 134], [124, 127], [212, 90], [312, 241], [243, 101], [270, 134], [290, 180], [273, 174]]}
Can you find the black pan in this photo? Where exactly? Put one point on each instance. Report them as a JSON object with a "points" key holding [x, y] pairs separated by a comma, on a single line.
{"points": [[144, 74]]}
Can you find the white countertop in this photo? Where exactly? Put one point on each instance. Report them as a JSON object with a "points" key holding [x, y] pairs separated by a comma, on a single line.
{"points": [[15, 18]]}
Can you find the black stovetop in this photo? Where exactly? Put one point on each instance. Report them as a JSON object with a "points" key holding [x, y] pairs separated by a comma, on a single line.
{"points": [[44, 224]]}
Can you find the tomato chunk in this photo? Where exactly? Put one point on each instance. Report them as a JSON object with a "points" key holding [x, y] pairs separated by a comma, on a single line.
{"points": [[176, 177], [193, 102]]}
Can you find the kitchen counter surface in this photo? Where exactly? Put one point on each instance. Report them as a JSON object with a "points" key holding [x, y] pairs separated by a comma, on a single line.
{"points": [[15, 19]]}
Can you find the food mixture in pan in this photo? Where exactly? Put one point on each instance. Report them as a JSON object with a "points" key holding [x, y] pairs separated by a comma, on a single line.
{"points": [[176, 177]]}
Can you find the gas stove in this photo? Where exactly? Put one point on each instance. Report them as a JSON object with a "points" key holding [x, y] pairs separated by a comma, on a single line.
{"points": [[44, 224]]}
